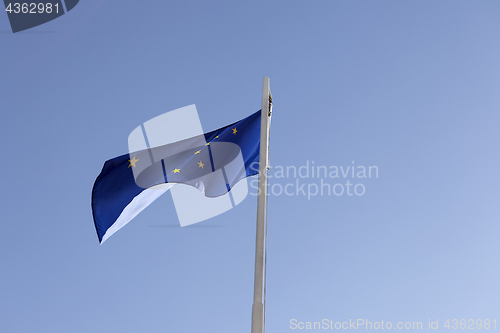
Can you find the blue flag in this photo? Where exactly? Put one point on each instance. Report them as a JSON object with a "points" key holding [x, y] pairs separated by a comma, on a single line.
{"points": [[213, 163]]}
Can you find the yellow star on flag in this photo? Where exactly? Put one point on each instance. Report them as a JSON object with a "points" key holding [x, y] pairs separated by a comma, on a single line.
{"points": [[197, 152], [200, 164], [133, 161], [177, 170], [207, 144], [234, 131]]}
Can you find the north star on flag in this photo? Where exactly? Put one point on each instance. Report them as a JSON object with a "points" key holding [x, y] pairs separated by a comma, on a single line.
{"points": [[213, 163]]}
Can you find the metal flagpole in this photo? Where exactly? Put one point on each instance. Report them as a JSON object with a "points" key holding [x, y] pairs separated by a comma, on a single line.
{"points": [[258, 310]]}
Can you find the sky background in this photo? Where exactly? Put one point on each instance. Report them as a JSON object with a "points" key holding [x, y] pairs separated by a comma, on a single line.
{"points": [[411, 87]]}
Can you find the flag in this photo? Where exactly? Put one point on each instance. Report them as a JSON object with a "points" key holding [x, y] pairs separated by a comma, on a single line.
{"points": [[213, 163]]}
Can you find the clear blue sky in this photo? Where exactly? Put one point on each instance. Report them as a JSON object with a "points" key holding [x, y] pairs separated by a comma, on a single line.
{"points": [[412, 87]]}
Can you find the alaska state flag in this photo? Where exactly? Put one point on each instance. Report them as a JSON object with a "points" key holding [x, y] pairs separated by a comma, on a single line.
{"points": [[213, 163]]}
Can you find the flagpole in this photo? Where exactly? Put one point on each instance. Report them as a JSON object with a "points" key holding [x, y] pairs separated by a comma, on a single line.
{"points": [[258, 311]]}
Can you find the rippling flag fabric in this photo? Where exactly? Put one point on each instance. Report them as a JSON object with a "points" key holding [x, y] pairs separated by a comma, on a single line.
{"points": [[129, 183]]}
